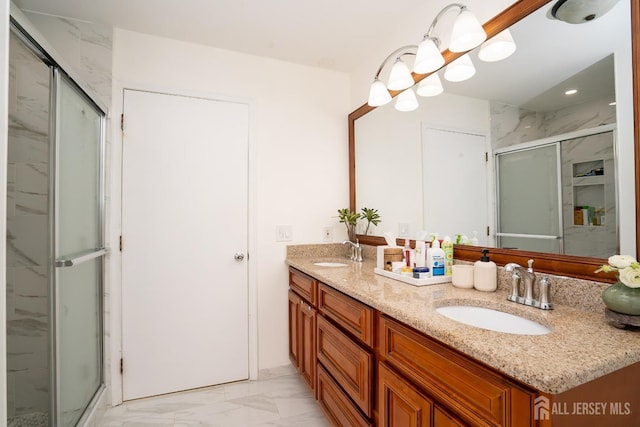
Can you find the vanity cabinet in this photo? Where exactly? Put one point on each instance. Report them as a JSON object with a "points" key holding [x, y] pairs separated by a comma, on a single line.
{"points": [[422, 381], [302, 326]]}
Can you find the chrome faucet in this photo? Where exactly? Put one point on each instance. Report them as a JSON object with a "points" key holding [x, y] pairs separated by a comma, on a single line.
{"points": [[356, 250], [527, 275]]}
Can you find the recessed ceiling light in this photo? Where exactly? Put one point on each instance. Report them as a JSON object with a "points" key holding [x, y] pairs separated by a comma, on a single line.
{"points": [[612, 103], [571, 92]]}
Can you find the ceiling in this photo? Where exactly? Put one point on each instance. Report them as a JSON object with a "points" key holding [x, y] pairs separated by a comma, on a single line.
{"points": [[341, 34], [332, 34]]}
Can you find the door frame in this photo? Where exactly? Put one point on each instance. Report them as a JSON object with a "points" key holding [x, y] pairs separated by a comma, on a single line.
{"points": [[114, 264]]}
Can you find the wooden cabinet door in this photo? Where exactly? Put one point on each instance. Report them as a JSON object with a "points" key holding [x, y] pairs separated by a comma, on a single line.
{"points": [[294, 341], [307, 339], [443, 419], [400, 403]]}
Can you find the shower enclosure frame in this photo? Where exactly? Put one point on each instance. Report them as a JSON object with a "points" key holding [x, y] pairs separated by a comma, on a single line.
{"points": [[57, 75], [557, 141]]}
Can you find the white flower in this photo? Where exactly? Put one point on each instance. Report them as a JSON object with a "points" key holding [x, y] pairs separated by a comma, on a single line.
{"points": [[630, 276], [621, 261]]}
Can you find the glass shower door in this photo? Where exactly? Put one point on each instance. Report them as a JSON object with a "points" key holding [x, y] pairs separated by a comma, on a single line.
{"points": [[529, 199], [78, 252]]}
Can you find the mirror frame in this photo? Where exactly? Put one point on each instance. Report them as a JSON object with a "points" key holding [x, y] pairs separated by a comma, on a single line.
{"points": [[563, 265]]}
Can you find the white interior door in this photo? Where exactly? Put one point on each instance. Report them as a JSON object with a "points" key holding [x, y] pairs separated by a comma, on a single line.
{"points": [[184, 217], [458, 182]]}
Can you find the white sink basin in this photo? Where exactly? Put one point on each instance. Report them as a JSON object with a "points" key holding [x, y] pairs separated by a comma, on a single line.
{"points": [[330, 264], [493, 320]]}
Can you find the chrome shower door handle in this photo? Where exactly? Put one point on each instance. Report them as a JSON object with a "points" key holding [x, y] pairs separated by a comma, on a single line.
{"points": [[238, 256]]}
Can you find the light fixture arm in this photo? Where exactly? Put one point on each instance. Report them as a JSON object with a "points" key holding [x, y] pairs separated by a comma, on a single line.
{"points": [[438, 16], [395, 54]]}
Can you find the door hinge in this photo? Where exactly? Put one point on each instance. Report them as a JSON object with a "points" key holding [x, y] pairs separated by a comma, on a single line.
{"points": [[486, 156], [488, 231], [120, 243], [122, 122], [121, 366]]}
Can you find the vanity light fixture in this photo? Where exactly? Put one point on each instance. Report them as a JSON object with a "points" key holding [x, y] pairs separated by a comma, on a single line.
{"points": [[378, 93], [430, 86], [406, 101], [498, 47], [400, 77], [459, 70], [466, 34]]}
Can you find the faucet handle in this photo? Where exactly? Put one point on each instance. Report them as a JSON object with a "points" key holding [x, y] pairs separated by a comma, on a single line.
{"points": [[544, 285]]}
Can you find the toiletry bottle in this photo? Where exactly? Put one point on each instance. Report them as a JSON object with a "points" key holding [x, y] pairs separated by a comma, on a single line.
{"points": [[407, 253], [420, 252], [436, 259], [447, 248], [485, 273]]}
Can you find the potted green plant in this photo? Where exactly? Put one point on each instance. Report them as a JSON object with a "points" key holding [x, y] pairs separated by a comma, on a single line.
{"points": [[349, 218], [372, 216]]}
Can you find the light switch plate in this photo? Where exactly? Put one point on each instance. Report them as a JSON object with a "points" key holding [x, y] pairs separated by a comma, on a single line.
{"points": [[284, 233]]}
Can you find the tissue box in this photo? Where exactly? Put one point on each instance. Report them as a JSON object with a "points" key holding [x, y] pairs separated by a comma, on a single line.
{"points": [[394, 255]]}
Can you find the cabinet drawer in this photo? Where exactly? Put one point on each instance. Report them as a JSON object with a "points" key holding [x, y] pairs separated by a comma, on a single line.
{"points": [[349, 364], [352, 315], [466, 387], [336, 405], [304, 285]]}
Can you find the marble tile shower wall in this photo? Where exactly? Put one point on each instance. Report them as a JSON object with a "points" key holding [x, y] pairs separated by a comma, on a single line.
{"points": [[512, 125], [597, 241], [27, 234]]}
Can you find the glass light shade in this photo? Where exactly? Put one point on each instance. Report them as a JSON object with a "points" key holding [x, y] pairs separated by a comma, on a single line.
{"points": [[400, 77], [498, 47], [406, 101], [430, 86], [428, 58], [378, 94], [467, 32], [459, 70]]}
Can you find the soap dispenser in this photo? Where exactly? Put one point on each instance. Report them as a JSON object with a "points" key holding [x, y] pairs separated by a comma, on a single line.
{"points": [[485, 273]]}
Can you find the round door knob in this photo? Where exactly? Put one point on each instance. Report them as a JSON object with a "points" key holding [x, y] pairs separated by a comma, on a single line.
{"points": [[238, 256]]}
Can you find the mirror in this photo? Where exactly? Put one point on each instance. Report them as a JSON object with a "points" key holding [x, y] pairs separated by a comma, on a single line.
{"points": [[400, 163]]}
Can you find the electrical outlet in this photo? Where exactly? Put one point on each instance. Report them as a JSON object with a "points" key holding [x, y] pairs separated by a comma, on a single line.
{"points": [[327, 234], [284, 233], [403, 229]]}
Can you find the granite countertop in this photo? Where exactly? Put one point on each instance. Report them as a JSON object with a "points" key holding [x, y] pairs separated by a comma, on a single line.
{"points": [[581, 347]]}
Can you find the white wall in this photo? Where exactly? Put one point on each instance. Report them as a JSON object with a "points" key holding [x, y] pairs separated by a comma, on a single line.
{"points": [[389, 170], [4, 116], [299, 158]]}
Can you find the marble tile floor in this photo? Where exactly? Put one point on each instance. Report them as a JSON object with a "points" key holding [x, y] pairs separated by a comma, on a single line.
{"points": [[278, 401]]}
